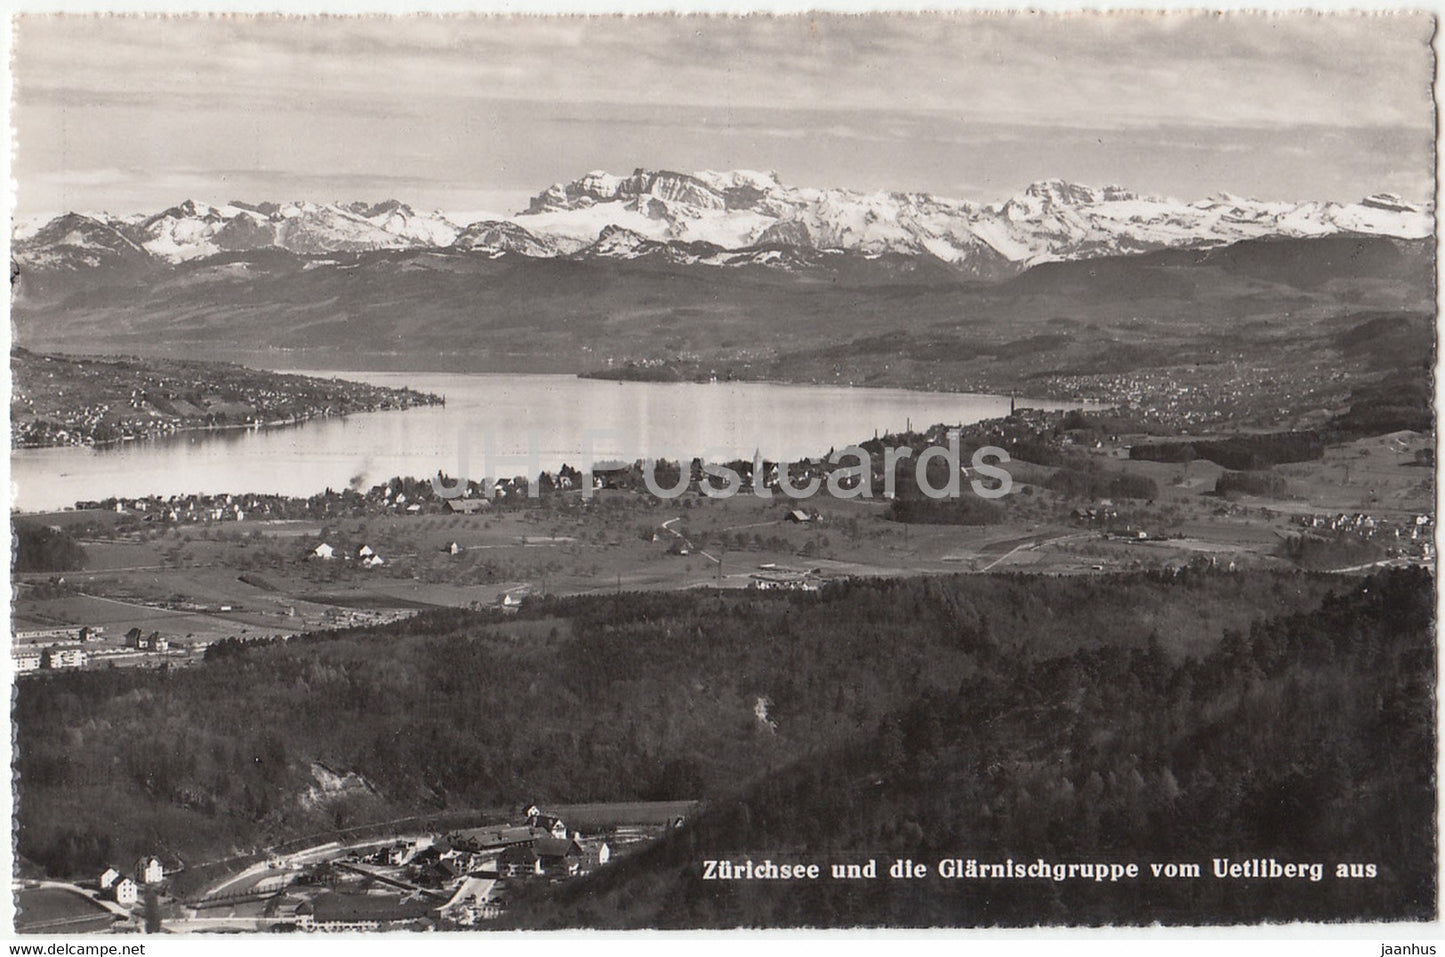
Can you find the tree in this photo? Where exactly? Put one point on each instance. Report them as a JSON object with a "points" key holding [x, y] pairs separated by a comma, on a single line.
{"points": [[152, 911]]}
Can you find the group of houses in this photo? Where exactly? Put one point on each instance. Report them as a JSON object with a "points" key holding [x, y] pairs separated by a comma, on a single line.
{"points": [[1411, 535], [125, 889], [364, 555], [543, 846], [54, 657]]}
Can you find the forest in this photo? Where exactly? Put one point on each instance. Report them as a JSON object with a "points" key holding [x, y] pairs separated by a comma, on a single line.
{"points": [[1306, 737], [1046, 714], [40, 548]]}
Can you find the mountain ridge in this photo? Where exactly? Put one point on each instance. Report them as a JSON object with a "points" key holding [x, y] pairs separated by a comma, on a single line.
{"points": [[721, 219]]}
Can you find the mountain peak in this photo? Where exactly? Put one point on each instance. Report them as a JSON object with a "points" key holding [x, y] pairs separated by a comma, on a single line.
{"points": [[685, 217]]}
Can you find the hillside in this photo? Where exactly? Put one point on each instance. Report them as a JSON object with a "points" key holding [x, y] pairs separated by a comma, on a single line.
{"points": [[1310, 738], [1231, 319], [76, 400], [605, 698]]}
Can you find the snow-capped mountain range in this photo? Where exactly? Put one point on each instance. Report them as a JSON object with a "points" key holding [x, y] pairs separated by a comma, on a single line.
{"points": [[725, 219]]}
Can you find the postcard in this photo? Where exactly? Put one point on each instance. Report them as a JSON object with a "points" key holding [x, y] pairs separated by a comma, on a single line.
{"points": [[801, 470]]}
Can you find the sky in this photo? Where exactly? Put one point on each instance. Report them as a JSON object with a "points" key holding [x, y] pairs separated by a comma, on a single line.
{"points": [[127, 114]]}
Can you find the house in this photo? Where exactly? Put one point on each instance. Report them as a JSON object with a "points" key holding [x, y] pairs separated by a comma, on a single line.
{"points": [[337, 911], [544, 857], [510, 602], [403, 851], [27, 661], [125, 891], [489, 838], [472, 902], [545, 822], [148, 870], [468, 506], [595, 856], [109, 877], [365, 552], [798, 516], [133, 638], [58, 656], [441, 871], [452, 548], [323, 552], [373, 561]]}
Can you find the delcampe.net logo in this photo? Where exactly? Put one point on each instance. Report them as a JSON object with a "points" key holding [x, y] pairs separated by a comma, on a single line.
{"points": [[848, 472]]}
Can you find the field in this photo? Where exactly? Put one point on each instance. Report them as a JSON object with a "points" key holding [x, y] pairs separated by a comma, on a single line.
{"points": [[54, 910], [196, 584]]}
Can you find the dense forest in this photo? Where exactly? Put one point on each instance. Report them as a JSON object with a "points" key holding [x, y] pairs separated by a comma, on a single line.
{"points": [[40, 548], [1025, 712], [1308, 737]]}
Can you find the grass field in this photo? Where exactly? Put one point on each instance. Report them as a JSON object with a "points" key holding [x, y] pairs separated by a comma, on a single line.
{"points": [[54, 910], [198, 584]]}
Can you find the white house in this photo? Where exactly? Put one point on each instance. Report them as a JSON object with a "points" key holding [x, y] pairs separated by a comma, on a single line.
{"points": [[126, 891], [108, 878], [323, 552], [148, 870], [62, 657], [365, 551]]}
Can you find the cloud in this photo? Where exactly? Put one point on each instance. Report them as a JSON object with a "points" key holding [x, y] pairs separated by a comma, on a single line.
{"points": [[454, 106]]}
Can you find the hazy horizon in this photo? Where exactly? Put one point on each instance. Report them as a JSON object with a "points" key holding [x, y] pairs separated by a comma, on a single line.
{"points": [[475, 113]]}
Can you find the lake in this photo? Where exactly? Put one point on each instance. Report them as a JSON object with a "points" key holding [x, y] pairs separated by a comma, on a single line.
{"points": [[505, 420]]}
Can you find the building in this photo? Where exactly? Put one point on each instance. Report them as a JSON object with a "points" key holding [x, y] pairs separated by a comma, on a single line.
{"points": [[490, 838], [468, 506], [153, 642], [472, 902], [595, 856], [545, 857], [337, 912], [148, 870], [125, 891], [323, 552], [61, 656], [545, 822], [109, 877], [27, 661]]}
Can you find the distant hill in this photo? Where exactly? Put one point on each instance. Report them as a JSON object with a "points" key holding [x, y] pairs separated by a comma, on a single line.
{"points": [[465, 310]]}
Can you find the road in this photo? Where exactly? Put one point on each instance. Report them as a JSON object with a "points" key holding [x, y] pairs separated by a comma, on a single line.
{"points": [[1031, 545], [667, 525]]}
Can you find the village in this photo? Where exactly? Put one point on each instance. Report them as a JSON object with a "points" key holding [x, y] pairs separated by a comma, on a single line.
{"points": [[448, 879], [66, 400], [167, 577]]}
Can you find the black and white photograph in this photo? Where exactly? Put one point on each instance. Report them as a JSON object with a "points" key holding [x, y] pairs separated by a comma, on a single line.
{"points": [[876, 470]]}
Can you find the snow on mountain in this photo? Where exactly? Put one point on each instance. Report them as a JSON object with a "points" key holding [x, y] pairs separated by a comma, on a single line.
{"points": [[399, 219], [195, 230], [1048, 220], [699, 217], [498, 238], [73, 242]]}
